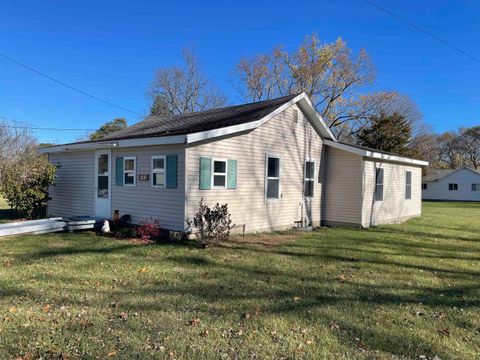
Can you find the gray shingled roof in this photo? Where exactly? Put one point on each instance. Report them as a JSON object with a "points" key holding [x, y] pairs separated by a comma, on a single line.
{"points": [[437, 174], [155, 126]]}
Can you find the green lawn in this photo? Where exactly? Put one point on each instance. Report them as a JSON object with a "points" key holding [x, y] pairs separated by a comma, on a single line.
{"points": [[391, 292], [4, 211]]}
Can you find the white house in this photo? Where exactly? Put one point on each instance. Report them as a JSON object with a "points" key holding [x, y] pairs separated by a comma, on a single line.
{"points": [[274, 162], [461, 184]]}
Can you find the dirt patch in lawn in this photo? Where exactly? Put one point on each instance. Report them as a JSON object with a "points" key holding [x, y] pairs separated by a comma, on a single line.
{"points": [[266, 239]]}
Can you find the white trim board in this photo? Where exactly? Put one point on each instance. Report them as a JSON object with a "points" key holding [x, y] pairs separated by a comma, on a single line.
{"points": [[161, 140], [374, 154]]}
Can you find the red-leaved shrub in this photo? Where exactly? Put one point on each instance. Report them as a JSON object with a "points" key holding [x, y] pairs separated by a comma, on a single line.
{"points": [[149, 229]]}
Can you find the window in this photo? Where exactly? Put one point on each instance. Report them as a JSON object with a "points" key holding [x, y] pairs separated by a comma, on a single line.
{"points": [[379, 185], [158, 171], [295, 116], [408, 185], [309, 179], [452, 187], [219, 174], [424, 186], [273, 178], [129, 171], [475, 187]]}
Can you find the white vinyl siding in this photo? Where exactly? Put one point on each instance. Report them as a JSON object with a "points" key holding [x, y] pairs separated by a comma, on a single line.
{"points": [[74, 190], [343, 191], [394, 207], [145, 201], [247, 204]]}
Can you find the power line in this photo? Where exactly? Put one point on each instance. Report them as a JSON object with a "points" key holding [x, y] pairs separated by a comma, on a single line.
{"points": [[425, 32], [66, 85], [27, 127]]}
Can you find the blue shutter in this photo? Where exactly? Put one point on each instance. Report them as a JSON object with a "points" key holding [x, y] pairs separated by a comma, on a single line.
{"points": [[232, 174], [205, 173], [171, 181], [119, 171]]}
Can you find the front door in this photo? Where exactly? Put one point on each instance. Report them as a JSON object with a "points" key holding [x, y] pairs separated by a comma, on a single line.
{"points": [[102, 183]]}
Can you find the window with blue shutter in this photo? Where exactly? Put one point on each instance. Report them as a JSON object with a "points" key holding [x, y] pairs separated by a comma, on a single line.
{"points": [[232, 174], [205, 173]]}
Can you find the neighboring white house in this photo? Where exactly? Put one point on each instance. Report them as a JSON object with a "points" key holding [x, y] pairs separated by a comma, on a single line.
{"points": [[274, 162], [461, 184]]}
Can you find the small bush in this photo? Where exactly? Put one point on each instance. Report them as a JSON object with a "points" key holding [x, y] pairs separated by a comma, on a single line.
{"points": [[211, 225], [149, 229]]}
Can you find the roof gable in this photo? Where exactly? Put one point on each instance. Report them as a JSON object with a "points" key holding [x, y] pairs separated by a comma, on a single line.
{"points": [[440, 174]]}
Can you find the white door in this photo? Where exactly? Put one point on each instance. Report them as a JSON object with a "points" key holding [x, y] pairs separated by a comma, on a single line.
{"points": [[102, 183]]}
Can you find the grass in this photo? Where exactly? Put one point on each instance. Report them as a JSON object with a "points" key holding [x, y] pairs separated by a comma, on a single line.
{"points": [[4, 211], [398, 291]]}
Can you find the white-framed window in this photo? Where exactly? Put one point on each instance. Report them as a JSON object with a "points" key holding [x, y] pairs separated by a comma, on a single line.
{"points": [[408, 185], [475, 187], [309, 179], [159, 163], [273, 174], [219, 173], [379, 184], [129, 170], [452, 187]]}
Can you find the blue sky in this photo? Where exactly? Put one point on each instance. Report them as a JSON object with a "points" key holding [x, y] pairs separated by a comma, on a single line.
{"points": [[112, 48]]}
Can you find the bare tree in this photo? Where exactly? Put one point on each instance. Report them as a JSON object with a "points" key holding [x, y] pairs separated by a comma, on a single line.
{"points": [[15, 139], [183, 89], [329, 74], [468, 146]]}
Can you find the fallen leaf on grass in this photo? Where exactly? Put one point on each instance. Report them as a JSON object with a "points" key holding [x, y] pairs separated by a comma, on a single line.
{"points": [[47, 308], [41, 318], [7, 318], [204, 332], [12, 310], [124, 316], [444, 332], [309, 342], [334, 326], [247, 315], [439, 315], [143, 270], [342, 277], [194, 321], [297, 298], [112, 353]]}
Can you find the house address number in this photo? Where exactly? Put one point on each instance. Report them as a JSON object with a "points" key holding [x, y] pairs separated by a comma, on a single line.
{"points": [[143, 177]]}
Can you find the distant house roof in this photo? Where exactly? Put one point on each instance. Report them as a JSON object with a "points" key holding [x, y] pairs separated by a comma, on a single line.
{"points": [[156, 126], [437, 174]]}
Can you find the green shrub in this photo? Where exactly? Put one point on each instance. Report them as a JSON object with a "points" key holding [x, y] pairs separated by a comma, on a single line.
{"points": [[211, 225]]}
